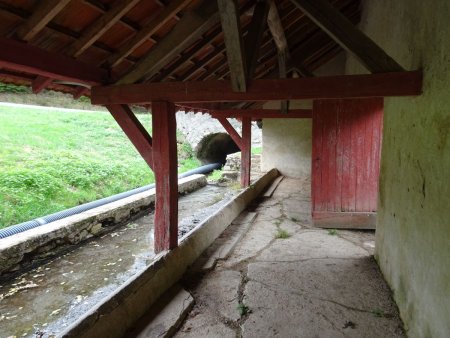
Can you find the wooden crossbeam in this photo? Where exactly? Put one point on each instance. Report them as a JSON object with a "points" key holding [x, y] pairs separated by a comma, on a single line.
{"points": [[255, 35], [191, 26], [230, 130], [40, 83], [231, 26], [100, 27], [258, 114], [21, 57], [166, 180], [337, 26], [134, 130], [342, 86], [44, 12], [147, 31]]}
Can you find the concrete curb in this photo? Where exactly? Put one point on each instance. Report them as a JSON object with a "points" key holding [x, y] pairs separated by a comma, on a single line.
{"points": [[120, 310], [22, 250]]}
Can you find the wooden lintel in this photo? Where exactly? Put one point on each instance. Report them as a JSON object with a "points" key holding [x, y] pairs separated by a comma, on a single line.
{"points": [[231, 131], [327, 87], [147, 31], [191, 26], [258, 114], [26, 58], [246, 151], [341, 29], [135, 131], [45, 11], [166, 179], [254, 36], [40, 83], [231, 26]]}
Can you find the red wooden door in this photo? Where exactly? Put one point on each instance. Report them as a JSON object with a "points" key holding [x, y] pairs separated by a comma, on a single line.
{"points": [[346, 161]]}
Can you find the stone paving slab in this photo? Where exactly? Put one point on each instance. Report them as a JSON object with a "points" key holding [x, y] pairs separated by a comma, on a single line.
{"points": [[309, 282]]}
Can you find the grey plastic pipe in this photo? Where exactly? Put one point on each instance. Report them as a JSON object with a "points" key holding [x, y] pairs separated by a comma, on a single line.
{"points": [[21, 227]]}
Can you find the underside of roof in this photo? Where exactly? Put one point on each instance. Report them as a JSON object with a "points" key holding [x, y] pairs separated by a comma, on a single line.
{"points": [[137, 41]]}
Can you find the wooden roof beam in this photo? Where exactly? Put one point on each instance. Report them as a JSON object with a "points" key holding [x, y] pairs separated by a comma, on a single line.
{"points": [[147, 31], [45, 11], [100, 26], [338, 27], [22, 57], [255, 35], [343, 86], [231, 27], [191, 26]]}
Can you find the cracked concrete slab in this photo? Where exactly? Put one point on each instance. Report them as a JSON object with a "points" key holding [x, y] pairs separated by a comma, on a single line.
{"points": [[314, 283]]}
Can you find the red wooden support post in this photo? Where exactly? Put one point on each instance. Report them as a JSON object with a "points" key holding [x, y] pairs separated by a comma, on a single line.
{"points": [[246, 151], [165, 168]]}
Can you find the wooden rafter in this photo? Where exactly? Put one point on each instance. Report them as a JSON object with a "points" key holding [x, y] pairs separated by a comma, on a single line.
{"points": [[231, 27], [100, 26], [45, 11], [343, 86], [191, 26], [31, 59], [254, 36], [337, 26], [135, 131], [147, 31]]}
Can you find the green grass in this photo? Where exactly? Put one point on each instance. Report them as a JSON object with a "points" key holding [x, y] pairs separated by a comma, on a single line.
{"points": [[215, 175], [51, 160], [256, 150], [332, 232]]}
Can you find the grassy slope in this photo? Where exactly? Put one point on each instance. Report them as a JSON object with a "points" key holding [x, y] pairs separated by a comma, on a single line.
{"points": [[52, 160]]}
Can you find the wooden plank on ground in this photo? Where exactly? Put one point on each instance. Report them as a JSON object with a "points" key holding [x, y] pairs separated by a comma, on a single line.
{"points": [[345, 220]]}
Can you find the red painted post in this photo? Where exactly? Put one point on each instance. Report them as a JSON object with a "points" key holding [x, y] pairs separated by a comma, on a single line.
{"points": [[165, 168], [246, 151]]}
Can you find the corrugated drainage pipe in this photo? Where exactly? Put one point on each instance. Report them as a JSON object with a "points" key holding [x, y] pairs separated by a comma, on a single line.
{"points": [[15, 229]]}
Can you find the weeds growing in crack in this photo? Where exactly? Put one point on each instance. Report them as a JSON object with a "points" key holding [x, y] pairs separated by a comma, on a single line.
{"points": [[282, 234], [243, 309], [332, 232]]}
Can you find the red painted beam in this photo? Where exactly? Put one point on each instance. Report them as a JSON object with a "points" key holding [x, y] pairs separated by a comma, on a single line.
{"points": [[135, 131], [327, 87], [246, 151], [40, 83], [258, 114], [79, 92], [231, 131], [26, 58], [165, 168]]}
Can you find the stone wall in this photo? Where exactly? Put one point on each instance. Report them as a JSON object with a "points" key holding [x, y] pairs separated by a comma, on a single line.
{"points": [[413, 227], [195, 126], [26, 248]]}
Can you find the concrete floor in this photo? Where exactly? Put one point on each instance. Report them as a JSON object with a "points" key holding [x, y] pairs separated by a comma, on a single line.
{"points": [[314, 283]]}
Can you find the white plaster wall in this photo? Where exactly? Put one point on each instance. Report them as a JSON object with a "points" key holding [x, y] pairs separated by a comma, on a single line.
{"points": [[287, 143], [287, 146], [413, 225]]}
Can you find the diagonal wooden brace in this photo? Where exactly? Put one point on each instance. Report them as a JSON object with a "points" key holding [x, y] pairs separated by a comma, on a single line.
{"points": [[135, 131]]}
